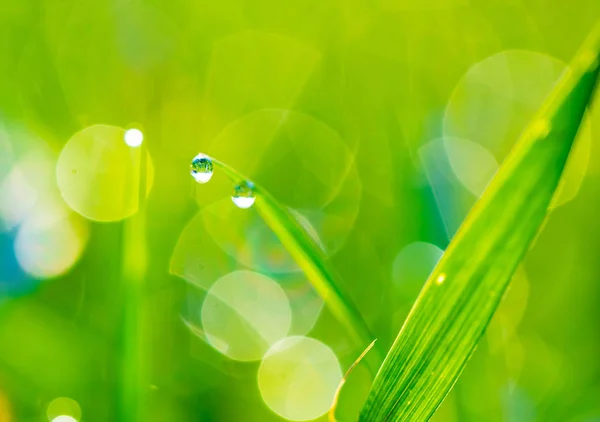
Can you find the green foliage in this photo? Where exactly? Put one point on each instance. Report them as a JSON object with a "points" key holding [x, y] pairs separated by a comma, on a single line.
{"points": [[342, 111], [461, 295], [309, 256]]}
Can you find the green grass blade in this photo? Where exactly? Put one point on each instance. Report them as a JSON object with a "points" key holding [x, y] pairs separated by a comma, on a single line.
{"points": [[133, 375], [309, 257], [461, 295]]}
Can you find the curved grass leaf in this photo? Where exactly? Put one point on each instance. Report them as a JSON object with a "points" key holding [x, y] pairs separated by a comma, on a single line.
{"points": [[309, 257], [461, 295], [336, 398]]}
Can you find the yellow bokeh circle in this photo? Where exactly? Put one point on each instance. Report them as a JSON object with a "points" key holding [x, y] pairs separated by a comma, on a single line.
{"points": [[298, 378], [244, 313], [493, 103], [98, 173]]}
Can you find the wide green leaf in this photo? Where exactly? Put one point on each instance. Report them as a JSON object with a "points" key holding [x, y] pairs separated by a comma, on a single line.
{"points": [[461, 295]]}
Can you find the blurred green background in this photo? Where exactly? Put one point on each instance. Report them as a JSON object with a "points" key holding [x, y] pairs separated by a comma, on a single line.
{"points": [[378, 122]]}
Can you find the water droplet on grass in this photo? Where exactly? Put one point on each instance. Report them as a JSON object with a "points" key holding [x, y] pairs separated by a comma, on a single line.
{"points": [[243, 194], [201, 168]]}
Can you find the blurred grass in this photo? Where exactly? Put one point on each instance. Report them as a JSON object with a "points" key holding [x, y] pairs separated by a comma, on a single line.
{"points": [[133, 382], [379, 74]]}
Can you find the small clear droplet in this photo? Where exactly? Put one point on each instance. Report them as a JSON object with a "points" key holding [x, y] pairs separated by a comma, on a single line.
{"points": [[201, 168], [243, 195]]}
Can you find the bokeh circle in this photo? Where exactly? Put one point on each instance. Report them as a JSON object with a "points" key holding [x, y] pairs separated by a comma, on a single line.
{"points": [[99, 174], [298, 378]]}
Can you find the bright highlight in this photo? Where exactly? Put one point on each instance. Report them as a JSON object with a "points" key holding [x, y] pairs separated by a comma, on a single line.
{"points": [[98, 176], [64, 418], [244, 313], [134, 138], [63, 409], [298, 378], [49, 246]]}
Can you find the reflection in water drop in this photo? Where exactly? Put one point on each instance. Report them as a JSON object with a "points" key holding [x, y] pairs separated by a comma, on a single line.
{"points": [[298, 378], [201, 168], [134, 137], [243, 194], [244, 313]]}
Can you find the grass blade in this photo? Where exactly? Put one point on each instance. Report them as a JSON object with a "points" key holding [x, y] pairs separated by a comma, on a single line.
{"points": [[309, 257], [461, 295], [332, 411], [133, 376]]}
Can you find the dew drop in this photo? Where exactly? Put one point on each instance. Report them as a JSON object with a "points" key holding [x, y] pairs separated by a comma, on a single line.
{"points": [[243, 194], [201, 168]]}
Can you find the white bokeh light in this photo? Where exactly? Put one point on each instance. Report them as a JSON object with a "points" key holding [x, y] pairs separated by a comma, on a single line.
{"points": [[483, 120], [64, 418], [298, 378], [49, 244], [17, 198], [472, 164], [243, 202], [244, 313], [99, 177], [134, 137], [63, 409]]}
